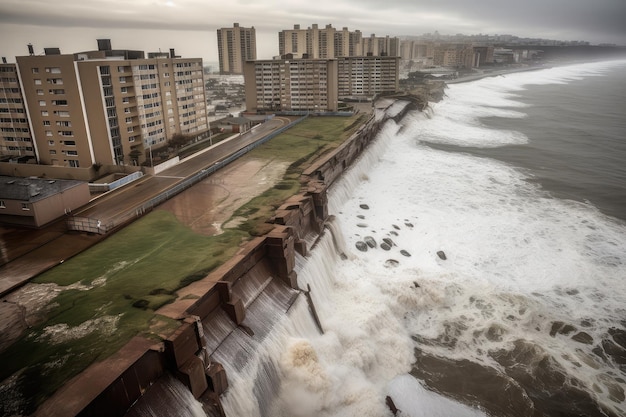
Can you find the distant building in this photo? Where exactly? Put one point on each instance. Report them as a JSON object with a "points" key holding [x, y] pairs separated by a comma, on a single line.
{"points": [[311, 43], [301, 85], [348, 43], [105, 107], [453, 55], [35, 202], [235, 46], [381, 46]]}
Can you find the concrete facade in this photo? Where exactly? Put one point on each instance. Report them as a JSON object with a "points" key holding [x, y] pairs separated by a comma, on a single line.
{"points": [[15, 136], [105, 107], [302, 85], [235, 46], [365, 77]]}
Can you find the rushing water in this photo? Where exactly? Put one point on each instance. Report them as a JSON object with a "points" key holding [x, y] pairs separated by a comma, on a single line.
{"points": [[497, 281], [519, 183]]}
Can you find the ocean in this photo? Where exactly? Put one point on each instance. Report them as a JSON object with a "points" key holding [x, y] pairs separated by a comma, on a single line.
{"points": [[494, 282]]}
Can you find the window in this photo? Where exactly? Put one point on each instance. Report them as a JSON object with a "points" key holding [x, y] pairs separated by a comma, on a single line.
{"points": [[49, 133], [53, 70], [129, 120], [59, 102], [73, 164], [25, 206], [46, 122], [122, 80], [35, 70], [72, 153], [124, 90], [51, 142], [57, 81], [44, 113], [62, 113], [53, 152], [37, 81], [39, 92], [2, 205], [70, 143]]}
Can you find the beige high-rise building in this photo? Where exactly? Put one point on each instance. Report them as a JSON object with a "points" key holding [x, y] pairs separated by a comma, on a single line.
{"points": [[310, 43], [235, 46], [15, 137], [108, 106], [365, 77], [453, 55], [291, 85], [381, 46], [348, 43]]}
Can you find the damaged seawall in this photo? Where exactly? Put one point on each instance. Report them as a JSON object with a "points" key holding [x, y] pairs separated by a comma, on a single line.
{"points": [[209, 309]]}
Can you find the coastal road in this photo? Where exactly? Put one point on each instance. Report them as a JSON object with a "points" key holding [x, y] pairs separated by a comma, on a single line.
{"points": [[132, 196]]}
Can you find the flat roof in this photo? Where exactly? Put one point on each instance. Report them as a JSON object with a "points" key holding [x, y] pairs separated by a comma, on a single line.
{"points": [[33, 189]]}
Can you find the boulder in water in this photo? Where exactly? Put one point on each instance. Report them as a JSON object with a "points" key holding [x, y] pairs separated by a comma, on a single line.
{"points": [[360, 216], [364, 206], [583, 337], [385, 246], [442, 255], [388, 241], [362, 246], [361, 225], [395, 226], [405, 253], [370, 241], [393, 232], [409, 225]]}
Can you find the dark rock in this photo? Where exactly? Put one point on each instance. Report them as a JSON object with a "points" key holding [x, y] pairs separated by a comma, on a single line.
{"points": [[388, 241], [416, 284], [583, 337], [391, 263], [361, 225], [619, 336], [561, 328], [362, 246], [385, 246], [364, 206], [393, 232], [360, 216], [409, 225], [370, 241], [405, 253], [442, 255], [616, 352], [396, 227], [391, 405]]}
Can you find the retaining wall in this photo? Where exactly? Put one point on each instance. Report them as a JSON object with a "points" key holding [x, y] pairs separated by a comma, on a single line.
{"points": [[272, 256]]}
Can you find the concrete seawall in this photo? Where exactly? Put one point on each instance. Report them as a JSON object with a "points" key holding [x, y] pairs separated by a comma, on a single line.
{"points": [[210, 308]]}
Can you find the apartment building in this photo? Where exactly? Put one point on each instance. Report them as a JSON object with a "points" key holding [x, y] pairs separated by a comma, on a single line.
{"points": [[311, 43], [348, 43], [366, 76], [109, 106], [235, 46], [381, 46], [301, 85], [16, 143], [454, 55]]}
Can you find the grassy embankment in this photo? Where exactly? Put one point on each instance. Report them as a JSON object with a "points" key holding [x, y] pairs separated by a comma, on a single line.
{"points": [[132, 273]]}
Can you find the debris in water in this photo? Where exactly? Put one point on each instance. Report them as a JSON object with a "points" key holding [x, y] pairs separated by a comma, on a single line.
{"points": [[391, 263], [405, 253], [364, 206], [362, 246], [370, 241], [441, 254]]}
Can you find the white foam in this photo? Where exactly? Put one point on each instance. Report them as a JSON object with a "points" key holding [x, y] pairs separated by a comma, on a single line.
{"points": [[517, 259]]}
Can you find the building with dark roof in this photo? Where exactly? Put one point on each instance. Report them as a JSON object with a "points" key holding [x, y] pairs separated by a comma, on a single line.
{"points": [[35, 202]]}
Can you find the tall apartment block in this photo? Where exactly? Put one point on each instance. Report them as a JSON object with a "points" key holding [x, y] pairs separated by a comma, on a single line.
{"points": [[366, 76], [291, 85], [317, 84], [16, 142], [107, 106], [235, 46], [381, 46], [329, 43]]}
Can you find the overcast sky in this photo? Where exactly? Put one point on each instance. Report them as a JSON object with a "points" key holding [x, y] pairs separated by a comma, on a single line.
{"points": [[190, 26]]}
